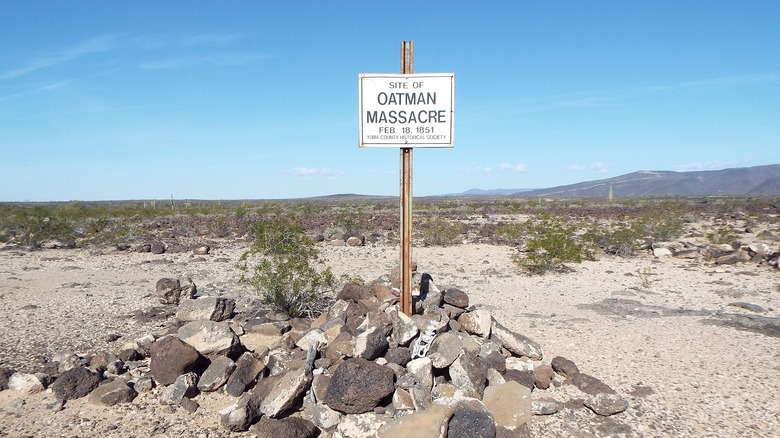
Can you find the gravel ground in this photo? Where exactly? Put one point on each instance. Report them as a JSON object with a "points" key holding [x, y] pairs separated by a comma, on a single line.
{"points": [[693, 347]]}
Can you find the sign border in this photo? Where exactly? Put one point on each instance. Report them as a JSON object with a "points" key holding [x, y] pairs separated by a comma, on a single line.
{"points": [[412, 76]]}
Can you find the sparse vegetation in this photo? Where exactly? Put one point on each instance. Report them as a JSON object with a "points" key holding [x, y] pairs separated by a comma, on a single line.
{"points": [[279, 268], [723, 234], [436, 231], [550, 243]]}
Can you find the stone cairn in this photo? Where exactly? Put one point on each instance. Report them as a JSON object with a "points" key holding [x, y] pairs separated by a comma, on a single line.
{"points": [[361, 369]]}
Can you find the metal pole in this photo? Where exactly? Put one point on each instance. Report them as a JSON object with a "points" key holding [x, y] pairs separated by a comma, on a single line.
{"points": [[407, 67]]}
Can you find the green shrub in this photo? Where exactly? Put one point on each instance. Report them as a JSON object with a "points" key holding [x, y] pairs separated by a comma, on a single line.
{"points": [[33, 226], [724, 234], [551, 243], [436, 231], [282, 273], [663, 223], [621, 240]]}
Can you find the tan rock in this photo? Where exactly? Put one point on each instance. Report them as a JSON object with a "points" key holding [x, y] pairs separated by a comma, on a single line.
{"points": [[510, 404]]}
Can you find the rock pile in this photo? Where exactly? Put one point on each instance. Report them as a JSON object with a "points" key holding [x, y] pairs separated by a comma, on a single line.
{"points": [[722, 254], [361, 369]]}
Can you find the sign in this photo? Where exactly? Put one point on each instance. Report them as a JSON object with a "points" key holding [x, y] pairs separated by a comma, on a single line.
{"points": [[407, 110]]}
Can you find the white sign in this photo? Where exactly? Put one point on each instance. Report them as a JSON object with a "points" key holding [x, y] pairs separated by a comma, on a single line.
{"points": [[414, 110]]}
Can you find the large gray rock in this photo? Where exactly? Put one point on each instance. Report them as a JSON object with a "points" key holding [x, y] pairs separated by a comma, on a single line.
{"points": [[185, 385], [172, 357], [241, 414], [606, 404], [205, 308], [545, 406], [112, 393], [515, 342], [247, 368], [287, 392], [422, 370], [404, 328], [371, 344], [469, 374], [216, 374], [75, 383], [171, 290], [359, 386], [477, 322], [209, 337], [444, 349]]}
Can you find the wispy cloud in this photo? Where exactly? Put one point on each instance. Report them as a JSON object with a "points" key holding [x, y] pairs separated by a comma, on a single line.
{"points": [[211, 39], [600, 167], [621, 96], [316, 172], [48, 87], [576, 167], [98, 44], [519, 167]]}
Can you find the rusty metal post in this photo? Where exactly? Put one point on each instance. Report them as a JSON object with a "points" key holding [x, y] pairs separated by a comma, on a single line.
{"points": [[407, 67]]}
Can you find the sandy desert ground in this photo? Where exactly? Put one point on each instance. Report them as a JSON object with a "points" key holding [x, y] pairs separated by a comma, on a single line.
{"points": [[667, 334]]}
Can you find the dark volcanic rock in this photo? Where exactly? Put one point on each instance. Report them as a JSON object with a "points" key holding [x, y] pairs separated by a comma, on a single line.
{"points": [[112, 393], [291, 427], [359, 386], [6, 374], [172, 357], [564, 367], [75, 383], [456, 297], [591, 385], [471, 420], [525, 378], [247, 368]]}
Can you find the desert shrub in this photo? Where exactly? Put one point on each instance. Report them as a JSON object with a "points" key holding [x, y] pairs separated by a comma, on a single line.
{"points": [[279, 268], [347, 222], [32, 226], [723, 234], [663, 223], [550, 244], [219, 227], [436, 231], [621, 240]]}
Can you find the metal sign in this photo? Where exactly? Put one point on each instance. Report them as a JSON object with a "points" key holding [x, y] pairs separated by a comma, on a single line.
{"points": [[407, 110]]}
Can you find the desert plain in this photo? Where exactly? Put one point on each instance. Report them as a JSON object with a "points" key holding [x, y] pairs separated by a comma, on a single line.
{"points": [[692, 345]]}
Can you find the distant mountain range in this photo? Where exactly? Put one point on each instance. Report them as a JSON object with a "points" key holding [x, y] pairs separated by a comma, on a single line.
{"points": [[758, 180]]}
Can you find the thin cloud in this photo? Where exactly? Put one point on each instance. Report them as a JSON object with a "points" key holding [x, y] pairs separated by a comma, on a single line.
{"points": [[620, 96], [318, 172], [520, 167], [211, 39], [99, 44], [600, 167], [49, 87], [576, 167]]}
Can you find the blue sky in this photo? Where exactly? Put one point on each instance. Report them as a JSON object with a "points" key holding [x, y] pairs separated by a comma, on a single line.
{"points": [[250, 99]]}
